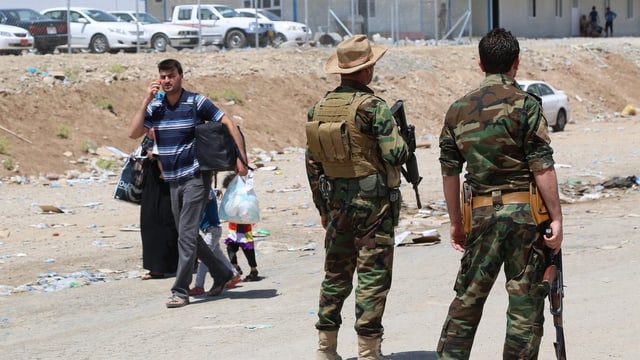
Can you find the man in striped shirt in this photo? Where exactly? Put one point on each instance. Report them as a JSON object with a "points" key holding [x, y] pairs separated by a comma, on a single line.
{"points": [[170, 120]]}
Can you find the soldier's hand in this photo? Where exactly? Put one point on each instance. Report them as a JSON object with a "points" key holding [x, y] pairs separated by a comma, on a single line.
{"points": [[458, 238], [324, 218], [555, 240]]}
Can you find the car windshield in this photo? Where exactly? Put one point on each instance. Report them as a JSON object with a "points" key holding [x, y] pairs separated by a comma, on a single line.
{"points": [[226, 11], [100, 16], [269, 15], [24, 15], [145, 19]]}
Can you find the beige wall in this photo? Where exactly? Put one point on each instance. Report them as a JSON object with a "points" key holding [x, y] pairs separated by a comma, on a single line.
{"points": [[417, 18]]}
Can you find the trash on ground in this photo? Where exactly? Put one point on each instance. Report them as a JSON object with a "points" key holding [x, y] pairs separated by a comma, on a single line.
{"points": [[51, 209]]}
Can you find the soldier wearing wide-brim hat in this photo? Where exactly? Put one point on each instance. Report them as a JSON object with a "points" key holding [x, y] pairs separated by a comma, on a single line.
{"points": [[353, 159]]}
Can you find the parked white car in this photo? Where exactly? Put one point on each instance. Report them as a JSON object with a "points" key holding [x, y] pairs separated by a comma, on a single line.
{"points": [[161, 34], [555, 103], [14, 39], [99, 31], [285, 30]]}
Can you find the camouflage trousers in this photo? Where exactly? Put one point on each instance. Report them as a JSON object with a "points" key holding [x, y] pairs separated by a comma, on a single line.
{"points": [[359, 238], [507, 235]]}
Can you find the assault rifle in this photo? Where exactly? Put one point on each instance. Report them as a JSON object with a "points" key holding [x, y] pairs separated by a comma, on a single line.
{"points": [[553, 279], [408, 133]]}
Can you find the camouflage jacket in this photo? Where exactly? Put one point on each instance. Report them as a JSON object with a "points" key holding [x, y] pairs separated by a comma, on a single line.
{"points": [[373, 118], [500, 132]]}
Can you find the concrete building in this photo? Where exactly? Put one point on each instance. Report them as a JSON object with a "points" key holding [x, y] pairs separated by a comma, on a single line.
{"points": [[431, 19]]}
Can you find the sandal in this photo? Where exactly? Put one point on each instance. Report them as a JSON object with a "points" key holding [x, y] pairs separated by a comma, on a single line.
{"points": [[151, 276], [176, 301], [196, 291], [233, 282], [253, 276]]}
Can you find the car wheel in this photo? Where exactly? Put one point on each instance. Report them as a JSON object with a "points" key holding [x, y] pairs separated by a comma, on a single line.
{"points": [[279, 40], [99, 44], [159, 42], [235, 40], [561, 121]]}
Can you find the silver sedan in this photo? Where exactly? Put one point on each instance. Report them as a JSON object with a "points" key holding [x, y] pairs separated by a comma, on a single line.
{"points": [[555, 103], [14, 39]]}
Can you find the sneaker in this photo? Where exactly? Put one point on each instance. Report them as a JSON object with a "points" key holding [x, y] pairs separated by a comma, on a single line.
{"points": [[195, 291], [253, 276], [234, 281]]}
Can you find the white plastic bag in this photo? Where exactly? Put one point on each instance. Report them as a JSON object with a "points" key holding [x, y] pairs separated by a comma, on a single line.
{"points": [[239, 203]]}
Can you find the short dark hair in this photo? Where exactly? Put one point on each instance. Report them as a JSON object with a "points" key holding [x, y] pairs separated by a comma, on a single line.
{"points": [[170, 64], [498, 49]]}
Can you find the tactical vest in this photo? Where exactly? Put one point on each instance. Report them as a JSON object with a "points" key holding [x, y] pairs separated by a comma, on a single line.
{"points": [[334, 140]]}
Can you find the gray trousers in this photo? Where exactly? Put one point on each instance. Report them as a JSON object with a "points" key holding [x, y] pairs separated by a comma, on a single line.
{"points": [[212, 239], [188, 199]]}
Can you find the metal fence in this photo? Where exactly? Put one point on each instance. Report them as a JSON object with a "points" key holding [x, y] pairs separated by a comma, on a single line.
{"points": [[394, 19]]}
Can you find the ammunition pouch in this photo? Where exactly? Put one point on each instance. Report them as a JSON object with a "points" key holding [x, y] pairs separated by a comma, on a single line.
{"points": [[373, 186], [395, 202], [538, 208]]}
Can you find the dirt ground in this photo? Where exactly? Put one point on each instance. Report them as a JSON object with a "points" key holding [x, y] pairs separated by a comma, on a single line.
{"points": [[69, 282]]}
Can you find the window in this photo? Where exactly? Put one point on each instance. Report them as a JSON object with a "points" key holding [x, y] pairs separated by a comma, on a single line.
{"points": [[184, 14], [544, 90], [273, 6], [532, 8], [362, 8], [559, 8], [629, 9]]}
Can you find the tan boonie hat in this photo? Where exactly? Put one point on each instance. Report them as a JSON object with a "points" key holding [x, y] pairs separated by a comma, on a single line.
{"points": [[352, 55]]}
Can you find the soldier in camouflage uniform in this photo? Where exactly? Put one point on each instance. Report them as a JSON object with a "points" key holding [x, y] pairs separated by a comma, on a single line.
{"points": [[354, 154], [500, 132]]}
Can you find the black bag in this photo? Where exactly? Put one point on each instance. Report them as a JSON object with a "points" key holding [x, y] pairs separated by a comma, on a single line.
{"points": [[131, 181], [215, 148]]}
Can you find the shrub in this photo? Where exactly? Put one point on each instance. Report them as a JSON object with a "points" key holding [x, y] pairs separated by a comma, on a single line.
{"points": [[117, 68], [5, 147], [88, 146], [62, 131], [71, 74], [106, 164], [9, 163], [227, 94], [105, 104]]}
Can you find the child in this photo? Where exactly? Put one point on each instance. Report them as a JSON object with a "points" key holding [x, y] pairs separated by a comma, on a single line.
{"points": [[241, 237], [210, 226]]}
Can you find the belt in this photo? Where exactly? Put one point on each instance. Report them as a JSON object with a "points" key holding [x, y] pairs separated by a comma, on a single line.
{"points": [[349, 184], [508, 198]]}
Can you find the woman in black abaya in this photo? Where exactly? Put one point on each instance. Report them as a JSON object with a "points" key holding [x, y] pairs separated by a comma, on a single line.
{"points": [[157, 226]]}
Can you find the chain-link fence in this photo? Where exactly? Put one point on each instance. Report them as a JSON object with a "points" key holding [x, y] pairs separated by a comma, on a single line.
{"points": [[393, 19]]}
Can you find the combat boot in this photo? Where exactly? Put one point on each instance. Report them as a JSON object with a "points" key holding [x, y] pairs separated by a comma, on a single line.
{"points": [[369, 349], [327, 345]]}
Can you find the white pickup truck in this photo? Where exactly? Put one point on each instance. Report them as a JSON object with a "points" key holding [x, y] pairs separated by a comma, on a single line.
{"points": [[222, 26]]}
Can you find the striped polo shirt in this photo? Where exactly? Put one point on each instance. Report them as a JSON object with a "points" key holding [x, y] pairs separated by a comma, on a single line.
{"points": [[174, 127]]}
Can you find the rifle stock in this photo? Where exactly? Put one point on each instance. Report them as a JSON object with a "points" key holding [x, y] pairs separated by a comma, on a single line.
{"points": [[408, 132], [553, 279]]}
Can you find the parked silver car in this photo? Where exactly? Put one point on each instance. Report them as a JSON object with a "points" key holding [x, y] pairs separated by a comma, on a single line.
{"points": [[99, 31], [161, 34], [285, 30], [14, 39], [555, 103]]}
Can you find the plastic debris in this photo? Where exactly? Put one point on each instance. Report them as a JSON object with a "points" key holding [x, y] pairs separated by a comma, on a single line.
{"points": [[258, 326]]}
